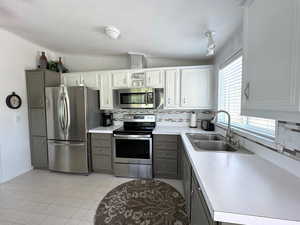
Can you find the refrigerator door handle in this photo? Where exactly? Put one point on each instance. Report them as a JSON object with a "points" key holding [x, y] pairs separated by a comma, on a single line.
{"points": [[67, 112], [60, 113]]}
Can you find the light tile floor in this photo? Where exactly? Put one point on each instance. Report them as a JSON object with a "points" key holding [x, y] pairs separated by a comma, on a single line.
{"points": [[46, 198]]}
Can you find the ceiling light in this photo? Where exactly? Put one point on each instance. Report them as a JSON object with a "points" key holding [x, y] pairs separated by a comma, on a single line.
{"points": [[112, 32], [211, 45]]}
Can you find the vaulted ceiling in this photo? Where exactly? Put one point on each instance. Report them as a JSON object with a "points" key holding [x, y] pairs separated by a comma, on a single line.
{"points": [[159, 28]]}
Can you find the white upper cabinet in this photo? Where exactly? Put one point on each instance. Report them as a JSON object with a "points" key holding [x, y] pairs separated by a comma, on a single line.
{"points": [[172, 87], [271, 77], [196, 88], [120, 79], [90, 80], [72, 79], [106, 92], [155, 79]]}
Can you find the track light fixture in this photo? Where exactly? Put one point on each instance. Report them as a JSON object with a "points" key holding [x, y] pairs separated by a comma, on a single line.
{"points": [[211, 45]]}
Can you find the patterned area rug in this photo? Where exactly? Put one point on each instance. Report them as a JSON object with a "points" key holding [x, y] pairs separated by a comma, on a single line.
{"points": [[142, 202]]}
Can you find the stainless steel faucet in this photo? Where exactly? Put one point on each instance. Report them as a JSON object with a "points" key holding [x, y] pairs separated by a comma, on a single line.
{"points": [[229, 135]]}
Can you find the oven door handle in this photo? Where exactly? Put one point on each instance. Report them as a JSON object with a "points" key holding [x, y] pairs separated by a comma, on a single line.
{"points": [[142, 137]]}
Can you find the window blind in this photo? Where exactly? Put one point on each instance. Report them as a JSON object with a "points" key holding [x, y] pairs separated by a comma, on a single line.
{"points": [[230, 95]]}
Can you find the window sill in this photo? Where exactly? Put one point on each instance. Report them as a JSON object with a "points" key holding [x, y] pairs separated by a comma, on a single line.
{"points": [[267, 141]]}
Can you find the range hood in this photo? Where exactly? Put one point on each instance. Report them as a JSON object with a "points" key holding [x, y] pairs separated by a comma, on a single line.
{"points": [[137, 60]]}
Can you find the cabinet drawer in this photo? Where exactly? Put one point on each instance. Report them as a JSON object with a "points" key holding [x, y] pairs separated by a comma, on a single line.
{"points": [[165, 168], [101, 150], [102, 140], [165, 138], [167, 146], [102, 163], [165, 154]]}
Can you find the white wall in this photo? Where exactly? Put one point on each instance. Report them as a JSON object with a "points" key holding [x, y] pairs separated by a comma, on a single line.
{"points": [[16, 55], [165, 62], [79, 63]]}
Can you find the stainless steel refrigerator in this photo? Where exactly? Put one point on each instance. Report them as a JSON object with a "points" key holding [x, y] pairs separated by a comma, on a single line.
{"points": [[71, 112]]}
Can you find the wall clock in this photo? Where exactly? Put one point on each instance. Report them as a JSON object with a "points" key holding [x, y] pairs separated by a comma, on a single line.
{"points": [[13, 101]]}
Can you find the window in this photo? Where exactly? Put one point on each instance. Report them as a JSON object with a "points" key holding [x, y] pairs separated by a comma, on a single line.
{"points": [[230, 95]]}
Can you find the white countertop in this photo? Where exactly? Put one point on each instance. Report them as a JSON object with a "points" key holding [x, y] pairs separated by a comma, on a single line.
{"points": [[104, 130], [246, 189]]}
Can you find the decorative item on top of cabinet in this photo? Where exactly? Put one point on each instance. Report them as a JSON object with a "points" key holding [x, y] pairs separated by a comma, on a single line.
{"points": [[120, 79], [271, 54], [172, 84], [43, 62], [155, 79], [102, 153], [196, 88], [106, 92], [61, 67], [166, 159]]}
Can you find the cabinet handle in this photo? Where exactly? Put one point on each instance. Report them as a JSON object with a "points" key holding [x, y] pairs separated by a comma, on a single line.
{"points": [[169, 100], [184, 100], [192, 192], [246, 90]]}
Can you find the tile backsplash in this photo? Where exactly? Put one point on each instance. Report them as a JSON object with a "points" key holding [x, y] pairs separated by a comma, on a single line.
{"points": [[288, 136], [164, 117]]}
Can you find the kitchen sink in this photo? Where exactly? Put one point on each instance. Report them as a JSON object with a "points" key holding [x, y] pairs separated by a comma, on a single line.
{"points": [[205, 137], [210, 142], [213, 146]]}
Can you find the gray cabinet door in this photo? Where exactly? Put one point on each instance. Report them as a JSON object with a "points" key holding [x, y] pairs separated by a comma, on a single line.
{"points": [[35, 89], [102, 163], [102, 153], [39, 155], [186, 177], [165, 156], [52, 79], [198, 216], [37, 122]]}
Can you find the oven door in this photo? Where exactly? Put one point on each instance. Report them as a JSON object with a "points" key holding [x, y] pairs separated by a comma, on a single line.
{"points": [[137, 98], [135, 149]]}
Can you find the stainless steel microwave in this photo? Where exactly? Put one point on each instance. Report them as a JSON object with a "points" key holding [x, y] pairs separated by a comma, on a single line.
{"points": [[139, 98]]}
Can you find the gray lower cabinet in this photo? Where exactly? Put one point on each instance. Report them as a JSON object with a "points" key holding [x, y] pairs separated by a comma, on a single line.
{"points": [[166, 160], [186, 179], [36, 81], [101, 145], [39, 156], [200, 214]]}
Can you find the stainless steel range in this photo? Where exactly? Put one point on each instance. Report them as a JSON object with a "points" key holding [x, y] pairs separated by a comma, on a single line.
{"points": [[133, 146]]}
